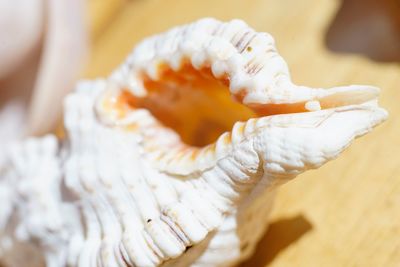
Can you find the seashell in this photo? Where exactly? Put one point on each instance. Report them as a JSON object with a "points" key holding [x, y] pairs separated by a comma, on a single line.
{"points": [[132, 184]]}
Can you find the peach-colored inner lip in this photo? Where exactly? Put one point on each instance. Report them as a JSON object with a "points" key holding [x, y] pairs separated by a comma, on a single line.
{"points": [[196, 105]]}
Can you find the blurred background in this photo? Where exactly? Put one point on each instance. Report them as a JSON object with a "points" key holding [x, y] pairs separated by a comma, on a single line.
{"points": [[345, 214]]}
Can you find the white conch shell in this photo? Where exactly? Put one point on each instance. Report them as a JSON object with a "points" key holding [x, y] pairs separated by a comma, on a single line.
{"points": [[123, 190]]}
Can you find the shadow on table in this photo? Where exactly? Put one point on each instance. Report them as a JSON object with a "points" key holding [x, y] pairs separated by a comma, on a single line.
{"points": [[280, 235], [367, 27]]}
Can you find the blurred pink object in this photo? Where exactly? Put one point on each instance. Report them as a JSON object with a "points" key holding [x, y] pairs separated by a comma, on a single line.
{"points": [[43, 44]]}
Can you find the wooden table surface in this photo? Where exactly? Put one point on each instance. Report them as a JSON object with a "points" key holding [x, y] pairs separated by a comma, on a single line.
{"points": [[346, 213]]}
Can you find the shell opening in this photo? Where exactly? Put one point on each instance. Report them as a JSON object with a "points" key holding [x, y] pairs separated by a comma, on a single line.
{"points": [[197, 105], [193, 103]]}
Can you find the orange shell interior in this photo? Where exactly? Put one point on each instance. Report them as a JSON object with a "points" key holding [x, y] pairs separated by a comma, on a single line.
{"points": [[195, 104]]}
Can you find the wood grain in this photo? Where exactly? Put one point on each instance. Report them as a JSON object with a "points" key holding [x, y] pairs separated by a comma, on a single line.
{"points": [[348, 212]]}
